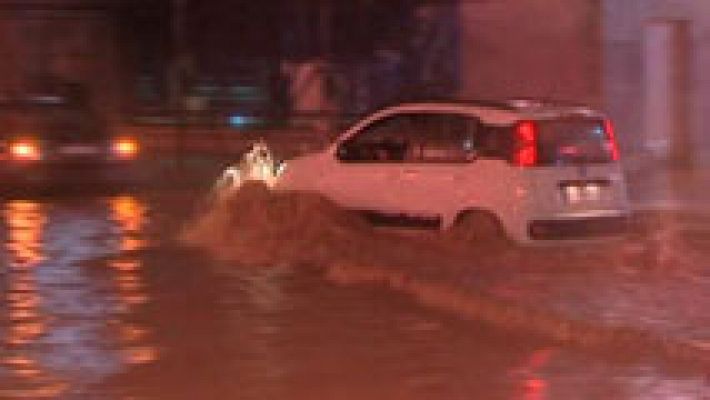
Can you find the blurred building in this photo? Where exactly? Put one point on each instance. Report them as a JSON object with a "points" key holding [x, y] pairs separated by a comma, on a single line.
{"points": [[531, 48], [47, 45], [643, 61], [657, 54]]}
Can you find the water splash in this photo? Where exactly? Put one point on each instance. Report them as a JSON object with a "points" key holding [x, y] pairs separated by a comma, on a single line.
{"points": [[257, 226], [654, 280]]}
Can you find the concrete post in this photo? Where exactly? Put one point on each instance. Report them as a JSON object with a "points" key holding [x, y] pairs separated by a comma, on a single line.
{"points": [[665, 103]]}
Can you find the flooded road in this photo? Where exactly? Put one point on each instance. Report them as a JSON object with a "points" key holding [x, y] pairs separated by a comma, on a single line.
{"points": [[99, 301]]}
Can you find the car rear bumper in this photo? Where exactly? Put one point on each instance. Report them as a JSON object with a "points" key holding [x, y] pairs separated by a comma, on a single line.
{"points": [[579, 228]]}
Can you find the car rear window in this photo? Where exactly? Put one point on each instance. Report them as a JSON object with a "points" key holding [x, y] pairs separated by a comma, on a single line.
{"points": [[573, 141]]}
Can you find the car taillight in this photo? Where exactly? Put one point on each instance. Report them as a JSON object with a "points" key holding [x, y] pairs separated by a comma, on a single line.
{"points": [[125, 148], [611, 139], [525, 151], [25, 151]]}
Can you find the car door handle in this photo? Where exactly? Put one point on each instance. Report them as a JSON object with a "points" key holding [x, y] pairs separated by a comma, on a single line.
{"points": [[410, 173]]}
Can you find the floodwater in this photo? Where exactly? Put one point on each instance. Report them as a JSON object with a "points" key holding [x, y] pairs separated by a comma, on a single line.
{"points": [[100, 300]]}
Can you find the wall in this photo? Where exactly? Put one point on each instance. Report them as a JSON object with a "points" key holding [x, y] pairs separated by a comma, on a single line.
{"points": [[40, 47], [625, 24], [531, 48]]}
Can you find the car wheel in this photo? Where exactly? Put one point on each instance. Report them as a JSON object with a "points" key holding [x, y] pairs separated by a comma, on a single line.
{"points": [[480, 228]]}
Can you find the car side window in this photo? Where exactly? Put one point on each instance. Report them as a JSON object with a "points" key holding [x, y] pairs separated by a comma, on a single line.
{"points": [[495, 142], [384, 141], [444, 138]]}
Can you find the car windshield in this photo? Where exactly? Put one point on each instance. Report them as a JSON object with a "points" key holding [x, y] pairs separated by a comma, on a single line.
{"points": [[574, 141]]}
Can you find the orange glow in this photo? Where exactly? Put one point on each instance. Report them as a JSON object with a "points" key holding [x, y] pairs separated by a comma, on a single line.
{"points": [[129, 214], [129, 284], [141, 355], [23, 314], [19, 361], [22, 332], [125, 265], [129, 244], [25, 150], [131, 299], [133, 333], [125, 148], [25, 221], [24, 300]]}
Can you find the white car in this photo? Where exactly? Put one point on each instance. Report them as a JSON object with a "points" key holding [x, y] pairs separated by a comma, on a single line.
{"points": [[525, 170]]}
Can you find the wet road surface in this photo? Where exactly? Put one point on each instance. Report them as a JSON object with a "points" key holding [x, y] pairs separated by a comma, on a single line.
{"points": [[97, 301]]}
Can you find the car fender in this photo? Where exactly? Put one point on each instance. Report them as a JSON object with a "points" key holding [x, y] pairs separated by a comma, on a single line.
{"points": [[303, 173]]}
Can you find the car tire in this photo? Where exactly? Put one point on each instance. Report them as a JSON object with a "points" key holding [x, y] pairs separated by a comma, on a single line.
{"points": [[479, 228]]}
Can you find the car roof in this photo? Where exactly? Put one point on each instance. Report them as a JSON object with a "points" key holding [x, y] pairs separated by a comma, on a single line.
{"points": [[497, 112]]}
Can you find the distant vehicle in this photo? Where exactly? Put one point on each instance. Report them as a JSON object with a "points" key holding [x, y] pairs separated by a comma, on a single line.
{"points": [[47, 139], [527, 170]]}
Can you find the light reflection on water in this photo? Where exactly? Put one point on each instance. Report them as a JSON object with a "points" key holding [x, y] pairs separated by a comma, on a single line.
{"points": [[26, 319], [130, 216], [64, 327], [93, 307]]}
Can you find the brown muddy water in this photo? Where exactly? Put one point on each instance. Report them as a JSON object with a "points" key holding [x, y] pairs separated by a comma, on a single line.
{"points": [[100, 298]]}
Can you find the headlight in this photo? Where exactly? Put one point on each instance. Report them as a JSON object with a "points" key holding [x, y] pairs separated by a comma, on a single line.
{"points": [[25, 150], [125, 148]]}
